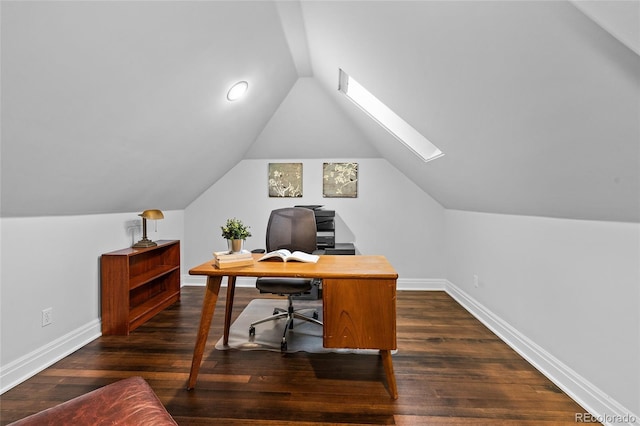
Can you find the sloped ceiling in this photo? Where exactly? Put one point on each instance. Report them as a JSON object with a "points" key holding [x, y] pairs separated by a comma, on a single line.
{"points": [[119, 106], [619, 18], [535, 106], [299, 129]]}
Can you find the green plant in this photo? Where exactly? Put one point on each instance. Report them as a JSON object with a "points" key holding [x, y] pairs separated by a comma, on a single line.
{"points": [[235, 230]]}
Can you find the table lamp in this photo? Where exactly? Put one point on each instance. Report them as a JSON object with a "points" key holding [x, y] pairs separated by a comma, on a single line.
{"points": [[148, 214]]}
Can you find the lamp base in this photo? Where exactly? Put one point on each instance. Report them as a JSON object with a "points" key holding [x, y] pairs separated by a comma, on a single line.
{"points": [[143, 243]]}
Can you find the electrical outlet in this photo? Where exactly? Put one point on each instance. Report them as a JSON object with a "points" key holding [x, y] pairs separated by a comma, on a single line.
{"points": [[133, 224], [47, 316], [476, 280]]}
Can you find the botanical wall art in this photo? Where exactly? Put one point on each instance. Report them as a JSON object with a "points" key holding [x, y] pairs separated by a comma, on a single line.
{"points": [[285, 179], [340, 180]]}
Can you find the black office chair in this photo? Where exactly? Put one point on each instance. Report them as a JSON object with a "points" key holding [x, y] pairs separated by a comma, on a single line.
{"points": [[291, 228]]}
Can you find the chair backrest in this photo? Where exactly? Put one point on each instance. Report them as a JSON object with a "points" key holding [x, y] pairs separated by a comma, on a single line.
{"points": [[292, 228]]}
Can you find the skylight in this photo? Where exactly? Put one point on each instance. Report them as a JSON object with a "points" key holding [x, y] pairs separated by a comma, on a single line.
{"points": [[388, 119]]}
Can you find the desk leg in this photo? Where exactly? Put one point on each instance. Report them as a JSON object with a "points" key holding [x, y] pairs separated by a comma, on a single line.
{"points": [[388, 368], [231, 290], [208, 307]]}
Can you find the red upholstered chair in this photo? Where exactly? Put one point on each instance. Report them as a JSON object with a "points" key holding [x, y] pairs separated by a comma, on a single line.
{"points": [[129, 402]]}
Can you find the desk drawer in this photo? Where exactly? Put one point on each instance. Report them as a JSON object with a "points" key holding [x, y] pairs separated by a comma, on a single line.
{"points": [[359, 313]]}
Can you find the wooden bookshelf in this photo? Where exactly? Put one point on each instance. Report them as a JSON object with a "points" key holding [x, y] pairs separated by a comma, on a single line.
{"points": [[137, 283]]}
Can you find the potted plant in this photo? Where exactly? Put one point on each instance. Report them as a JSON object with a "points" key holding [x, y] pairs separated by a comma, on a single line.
{"points": [[235, 232]]}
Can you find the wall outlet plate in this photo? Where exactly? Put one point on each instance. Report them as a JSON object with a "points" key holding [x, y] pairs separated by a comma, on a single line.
{"points": [[47, 316]]}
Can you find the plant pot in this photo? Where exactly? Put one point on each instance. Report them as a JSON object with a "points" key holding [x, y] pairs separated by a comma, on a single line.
{"points": [[235, 246]]}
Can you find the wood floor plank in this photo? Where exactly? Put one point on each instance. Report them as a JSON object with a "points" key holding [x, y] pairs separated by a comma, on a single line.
{"points": [[450, 370]]}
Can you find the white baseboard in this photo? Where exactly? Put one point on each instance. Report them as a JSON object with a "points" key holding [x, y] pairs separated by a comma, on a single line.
{"points": [[422, 284], [601, 407], [418, 284], [34, 362], [200, 281]]}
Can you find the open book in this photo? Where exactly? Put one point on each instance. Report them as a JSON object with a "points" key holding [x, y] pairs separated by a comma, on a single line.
{"points": [[285, 255]]}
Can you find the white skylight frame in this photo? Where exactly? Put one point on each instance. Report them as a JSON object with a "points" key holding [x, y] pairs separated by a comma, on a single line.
{"points": [[388, 119]]}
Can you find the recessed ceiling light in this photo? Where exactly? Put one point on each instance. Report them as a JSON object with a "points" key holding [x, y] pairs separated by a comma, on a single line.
{"points": [[237, 90], [388, 119]]}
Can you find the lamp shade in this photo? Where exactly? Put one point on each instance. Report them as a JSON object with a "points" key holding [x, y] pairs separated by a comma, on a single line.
{"points": [[152, 214]]}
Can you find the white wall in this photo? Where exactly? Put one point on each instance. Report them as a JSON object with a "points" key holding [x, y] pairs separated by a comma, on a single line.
{"points": [[53, 262], [391, 215], [570, 286]]}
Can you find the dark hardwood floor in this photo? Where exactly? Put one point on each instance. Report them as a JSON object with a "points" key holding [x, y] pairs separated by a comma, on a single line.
{"points": [[450, 370]]}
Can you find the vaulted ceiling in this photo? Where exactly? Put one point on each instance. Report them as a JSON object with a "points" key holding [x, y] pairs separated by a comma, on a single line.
{"points": [[117, 106]]}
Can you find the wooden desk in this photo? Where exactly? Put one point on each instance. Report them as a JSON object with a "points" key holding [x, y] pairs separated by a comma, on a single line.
{"points": [[359, 303]]}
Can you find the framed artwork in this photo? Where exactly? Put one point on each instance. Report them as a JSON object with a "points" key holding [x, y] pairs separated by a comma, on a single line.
{"points": [[340, 180], [285, 180]]}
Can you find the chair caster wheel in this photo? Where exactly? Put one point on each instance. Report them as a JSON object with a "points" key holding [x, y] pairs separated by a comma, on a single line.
{"points": [[275, 312], [283, 347], [252, 331], [315, 315]]}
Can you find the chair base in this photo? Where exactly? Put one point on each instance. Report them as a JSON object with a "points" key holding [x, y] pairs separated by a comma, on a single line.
{"points": [[290, 314]]}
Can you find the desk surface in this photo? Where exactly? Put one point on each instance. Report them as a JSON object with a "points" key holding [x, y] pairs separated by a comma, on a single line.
{"points": [[328, 266]]}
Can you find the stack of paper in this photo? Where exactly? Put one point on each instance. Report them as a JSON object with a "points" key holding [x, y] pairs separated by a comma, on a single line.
{"points": [[224, 259]]}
